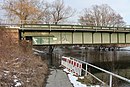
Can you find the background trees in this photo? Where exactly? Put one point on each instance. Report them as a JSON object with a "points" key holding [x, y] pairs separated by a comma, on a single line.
{"points": [[34, 10], [56, 12], [20, 9], [101, 15], [60, 11]]}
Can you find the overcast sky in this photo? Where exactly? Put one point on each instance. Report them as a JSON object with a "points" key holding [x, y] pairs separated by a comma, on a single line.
{"points": [[120, 6]]}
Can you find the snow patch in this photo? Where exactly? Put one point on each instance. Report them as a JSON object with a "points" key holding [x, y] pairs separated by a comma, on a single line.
{"points": [[73, 79], [125, 48], [38, 51], [15, 76], [15, 80], [7, 72], [18, 84], [66, 70]]}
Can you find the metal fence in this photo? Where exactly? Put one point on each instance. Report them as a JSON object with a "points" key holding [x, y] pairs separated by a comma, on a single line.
{"points": [[70, 66]]}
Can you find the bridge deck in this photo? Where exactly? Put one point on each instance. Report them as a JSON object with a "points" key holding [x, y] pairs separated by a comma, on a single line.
{"points": [[52, 27], [50, 34]]}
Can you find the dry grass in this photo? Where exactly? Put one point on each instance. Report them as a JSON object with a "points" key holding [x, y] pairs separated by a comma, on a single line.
{"points": [[86, 80], [17, 62], [90, 81]]}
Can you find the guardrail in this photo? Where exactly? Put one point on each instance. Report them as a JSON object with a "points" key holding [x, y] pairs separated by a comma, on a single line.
{"points": [[67, 62], [24, 24], [66, 26]]}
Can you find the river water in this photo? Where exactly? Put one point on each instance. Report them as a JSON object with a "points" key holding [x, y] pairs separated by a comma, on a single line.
{"points": [[109, 60], [115, 61]]}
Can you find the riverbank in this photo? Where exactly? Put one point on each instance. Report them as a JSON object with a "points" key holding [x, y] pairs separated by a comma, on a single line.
{"points": [[74, 80], [19, 67]]}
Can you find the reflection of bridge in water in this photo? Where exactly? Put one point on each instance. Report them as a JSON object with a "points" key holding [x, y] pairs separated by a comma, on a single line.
{"points": [[46, 34]]}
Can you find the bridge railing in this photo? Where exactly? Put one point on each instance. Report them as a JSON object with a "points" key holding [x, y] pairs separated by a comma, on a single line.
{"points": [[66, 62], [74, 27], [62, 25]]}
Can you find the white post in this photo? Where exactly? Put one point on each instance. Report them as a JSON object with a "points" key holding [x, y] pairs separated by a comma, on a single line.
{"points": [[110, 83], [86, 73]]}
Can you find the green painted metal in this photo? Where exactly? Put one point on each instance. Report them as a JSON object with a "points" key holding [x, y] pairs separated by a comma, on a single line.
{"points": [[105, 38], [56, 39], [114, 38], [77, 38], [97, 38], [81, 38], [121, 38], [64, 26], [88, 37], [66, 38], [51, 34], [128, 38]]}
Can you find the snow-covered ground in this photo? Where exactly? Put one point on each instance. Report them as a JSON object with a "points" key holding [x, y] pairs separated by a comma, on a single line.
{"points": [[125, 48], [73, 79]]}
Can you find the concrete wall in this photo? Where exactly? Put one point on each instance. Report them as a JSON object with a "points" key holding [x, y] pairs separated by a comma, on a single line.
{"points": [[14, 34]]}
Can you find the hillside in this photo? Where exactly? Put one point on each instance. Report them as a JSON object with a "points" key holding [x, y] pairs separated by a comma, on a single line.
{"points": [[18, 66]]}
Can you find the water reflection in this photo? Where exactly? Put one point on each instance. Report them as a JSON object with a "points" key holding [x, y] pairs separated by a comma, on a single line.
{"points": [[109, 60], [115, 61]]}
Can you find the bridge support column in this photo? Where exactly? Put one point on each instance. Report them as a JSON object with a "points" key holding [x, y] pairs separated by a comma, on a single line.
{"points": [[50, 55]]}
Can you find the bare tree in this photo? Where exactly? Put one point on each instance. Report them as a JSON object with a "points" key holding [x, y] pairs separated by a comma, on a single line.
{"points": [[46, 13], [60, 12], [101, 15], [34, 10], [23, 9]]}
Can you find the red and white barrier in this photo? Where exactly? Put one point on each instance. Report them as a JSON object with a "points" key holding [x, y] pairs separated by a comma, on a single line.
{"points": [[72, 65], [75, 66], [64, 61]]}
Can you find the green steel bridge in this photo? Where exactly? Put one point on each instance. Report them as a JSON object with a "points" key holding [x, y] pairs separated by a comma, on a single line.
{"points": [[51, 34]]}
